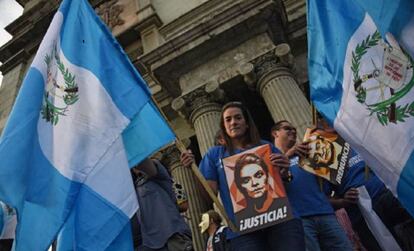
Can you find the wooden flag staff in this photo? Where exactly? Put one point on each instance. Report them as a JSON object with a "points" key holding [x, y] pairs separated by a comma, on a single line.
{"points": [[315, 123], [207, 187], [181, 147], [314, 115]]}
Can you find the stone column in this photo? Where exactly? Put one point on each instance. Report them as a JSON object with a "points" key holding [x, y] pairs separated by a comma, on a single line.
{"points": [[196, 203], [13, 74], [278, 87], [202, 107], [206, 120]]}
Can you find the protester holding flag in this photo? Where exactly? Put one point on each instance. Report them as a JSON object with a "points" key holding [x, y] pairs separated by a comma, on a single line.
{"points": [[83, 116], [239, 134], [308, 198], [162, 227], [384, 203]]}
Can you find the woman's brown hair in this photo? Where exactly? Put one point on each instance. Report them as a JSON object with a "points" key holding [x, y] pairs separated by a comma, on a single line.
{"points": [[252, 136]]}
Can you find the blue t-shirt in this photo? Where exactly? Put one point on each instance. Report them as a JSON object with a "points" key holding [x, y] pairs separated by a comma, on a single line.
{"points": [[305, 193], [355, 177], [212, 169]]}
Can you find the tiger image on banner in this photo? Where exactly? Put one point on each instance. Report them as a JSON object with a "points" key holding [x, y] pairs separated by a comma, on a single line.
{"points": [[257, 193]]}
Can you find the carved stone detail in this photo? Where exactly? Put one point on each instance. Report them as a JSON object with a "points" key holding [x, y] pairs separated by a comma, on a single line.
{"points": [[180, 106], [246, 69], [216, 93], [170, 156], [209, 93], [248, 73], [265, 64], [198, 98], [202, 108], [283, 52], [110, 13]]}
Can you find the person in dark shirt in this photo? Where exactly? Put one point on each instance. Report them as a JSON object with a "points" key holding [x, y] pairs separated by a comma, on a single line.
{"points": [[211, 222], [387, 207], [161, 225]]}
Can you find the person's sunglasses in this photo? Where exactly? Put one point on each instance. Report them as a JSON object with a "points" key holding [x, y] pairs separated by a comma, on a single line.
{"points": [[288, 128]]}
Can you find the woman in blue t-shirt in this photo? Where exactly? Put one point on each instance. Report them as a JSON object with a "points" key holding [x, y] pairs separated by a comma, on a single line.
{"points": [[239, 134]]}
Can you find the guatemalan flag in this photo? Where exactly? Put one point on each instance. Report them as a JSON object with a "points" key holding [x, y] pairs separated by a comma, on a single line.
{"points": [[82, 117], [361, 76]]}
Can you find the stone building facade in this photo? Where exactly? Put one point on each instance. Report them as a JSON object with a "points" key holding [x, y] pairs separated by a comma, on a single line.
{"points": [[195, 55]]}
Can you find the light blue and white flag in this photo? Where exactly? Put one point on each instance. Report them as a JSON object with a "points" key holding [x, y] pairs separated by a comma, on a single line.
{"points": [[82, 117], [361, 76]]}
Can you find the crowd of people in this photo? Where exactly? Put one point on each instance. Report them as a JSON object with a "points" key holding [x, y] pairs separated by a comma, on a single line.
{"points": [[314, 225], [160, 226]]}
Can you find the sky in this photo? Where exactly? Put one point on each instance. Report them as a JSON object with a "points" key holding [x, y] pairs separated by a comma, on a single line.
{"points": [[9, 11]]}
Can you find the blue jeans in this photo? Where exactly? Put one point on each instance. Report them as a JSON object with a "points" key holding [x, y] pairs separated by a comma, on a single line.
{"points": [[281, 237], [323, 232]]}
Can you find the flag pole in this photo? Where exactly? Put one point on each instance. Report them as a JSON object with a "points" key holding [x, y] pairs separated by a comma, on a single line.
{"points": [[366, 172], [314, 115], [315, 123], [181, 147]]}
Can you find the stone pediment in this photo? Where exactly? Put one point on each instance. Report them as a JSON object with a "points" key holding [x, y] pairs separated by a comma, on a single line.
{"points": [[218, 31]]}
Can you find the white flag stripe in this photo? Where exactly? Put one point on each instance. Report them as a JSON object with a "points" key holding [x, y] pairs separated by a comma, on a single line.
{"points": [[91, 124], [111, 179], [374, 222]]}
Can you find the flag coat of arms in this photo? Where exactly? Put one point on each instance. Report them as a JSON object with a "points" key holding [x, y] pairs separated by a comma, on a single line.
{"points": [[361, 75], [83, 116]]}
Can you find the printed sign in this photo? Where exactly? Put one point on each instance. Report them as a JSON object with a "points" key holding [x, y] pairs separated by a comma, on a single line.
{"points": [[258, 196], [328, 155]]}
